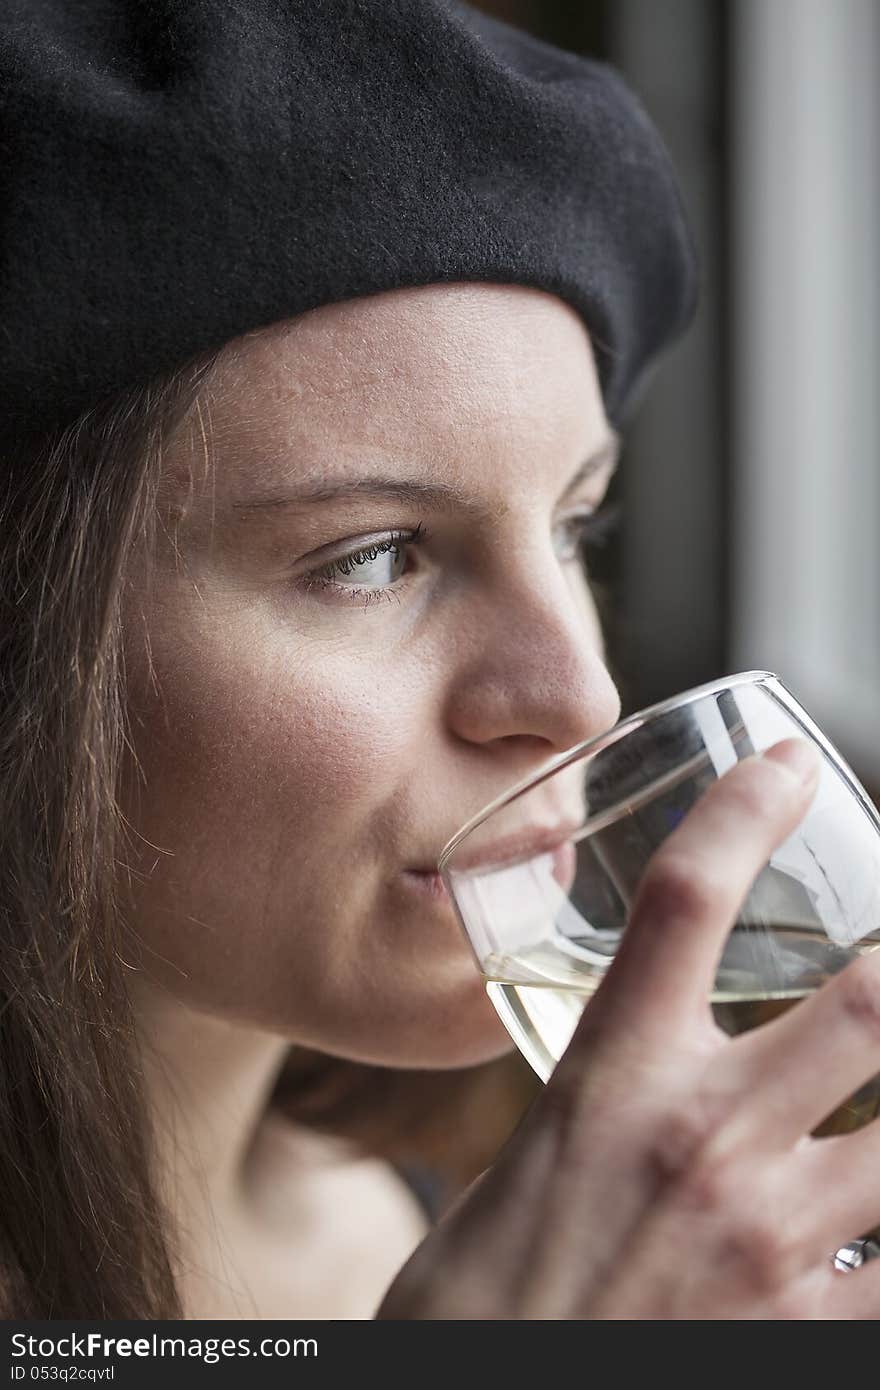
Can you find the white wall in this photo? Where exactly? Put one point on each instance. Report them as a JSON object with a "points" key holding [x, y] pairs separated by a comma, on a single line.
{"points": [[806, 447]]}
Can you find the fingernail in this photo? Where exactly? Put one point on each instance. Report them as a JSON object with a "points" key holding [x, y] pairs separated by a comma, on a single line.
{"points": [[798, 756]]}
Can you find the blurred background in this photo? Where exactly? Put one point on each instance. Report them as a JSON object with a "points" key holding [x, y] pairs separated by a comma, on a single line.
{"points": [[750, 483], [750, 480]]}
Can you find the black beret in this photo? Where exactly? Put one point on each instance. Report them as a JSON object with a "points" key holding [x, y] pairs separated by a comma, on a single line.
{"points": [[174, 173]]}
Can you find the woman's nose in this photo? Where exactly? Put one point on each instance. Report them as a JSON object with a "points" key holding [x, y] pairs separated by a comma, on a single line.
{"points": [[535, 674]]}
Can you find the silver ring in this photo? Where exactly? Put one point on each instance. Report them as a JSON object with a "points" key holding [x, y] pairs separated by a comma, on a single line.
{"points": [[857, 1253]]}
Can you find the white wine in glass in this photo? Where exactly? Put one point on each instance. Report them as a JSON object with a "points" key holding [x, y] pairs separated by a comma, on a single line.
{"points": [[543, 878]]}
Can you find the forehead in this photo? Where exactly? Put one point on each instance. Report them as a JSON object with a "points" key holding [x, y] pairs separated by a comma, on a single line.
{"points": [[454, 372]]}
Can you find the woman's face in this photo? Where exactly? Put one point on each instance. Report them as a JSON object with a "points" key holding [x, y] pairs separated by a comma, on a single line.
{"points": [[319, 700]]}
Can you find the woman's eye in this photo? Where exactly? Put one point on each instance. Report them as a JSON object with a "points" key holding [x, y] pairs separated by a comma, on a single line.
{"points": [[375, 566], [374, 571], [371, 571], [580, 534]]}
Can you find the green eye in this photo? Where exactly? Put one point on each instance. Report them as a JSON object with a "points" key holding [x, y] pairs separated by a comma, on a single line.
{"points": [[376, 567], [587, 531]]}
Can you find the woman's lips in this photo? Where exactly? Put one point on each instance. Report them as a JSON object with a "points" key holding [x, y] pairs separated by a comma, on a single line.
{"points": [[565, 865], [563, 856], [430, 884]]}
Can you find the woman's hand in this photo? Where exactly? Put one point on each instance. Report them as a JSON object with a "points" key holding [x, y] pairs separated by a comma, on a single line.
{"points": [[667, 1171]]}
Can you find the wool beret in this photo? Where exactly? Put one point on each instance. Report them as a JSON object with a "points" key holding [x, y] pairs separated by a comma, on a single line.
{"points": [[178, 172]]}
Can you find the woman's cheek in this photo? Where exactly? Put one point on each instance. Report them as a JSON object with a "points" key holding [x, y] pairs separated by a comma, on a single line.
{"points": [[301, 735], [258, 731], [259, 779], [347, 711]]}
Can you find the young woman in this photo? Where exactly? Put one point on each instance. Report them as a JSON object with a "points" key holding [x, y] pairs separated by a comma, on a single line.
{"points": [[278, 616]]}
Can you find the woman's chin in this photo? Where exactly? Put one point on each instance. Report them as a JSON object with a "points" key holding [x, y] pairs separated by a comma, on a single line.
{"points": [[450, 1059], [433, 1033], [467, 1036]]}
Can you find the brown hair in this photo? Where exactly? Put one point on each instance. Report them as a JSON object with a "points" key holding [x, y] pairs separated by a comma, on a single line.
{"points": [[83, 1233]]}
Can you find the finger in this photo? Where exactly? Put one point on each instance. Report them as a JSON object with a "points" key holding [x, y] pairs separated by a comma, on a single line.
{"points": [[798, 1069], [689, 896], [843, 1171], [854, 1294]]}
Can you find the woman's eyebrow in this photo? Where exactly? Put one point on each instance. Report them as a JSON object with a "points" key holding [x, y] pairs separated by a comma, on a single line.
{"points": [[438, 496]]}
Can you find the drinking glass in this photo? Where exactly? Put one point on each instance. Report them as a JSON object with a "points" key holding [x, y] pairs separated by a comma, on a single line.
{"points": [[543, 878]]}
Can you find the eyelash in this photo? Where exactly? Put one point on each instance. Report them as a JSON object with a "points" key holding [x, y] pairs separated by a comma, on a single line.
{"points": [[587, 530]]}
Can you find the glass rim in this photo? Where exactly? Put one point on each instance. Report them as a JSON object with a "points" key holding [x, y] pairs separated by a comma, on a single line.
{"points": [[589, 747]]}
